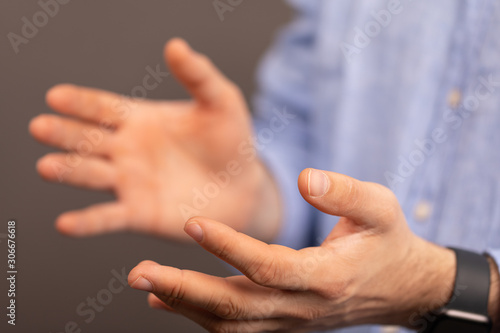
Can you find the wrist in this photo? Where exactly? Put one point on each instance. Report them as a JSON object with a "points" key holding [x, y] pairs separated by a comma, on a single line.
{"points": [[264, 220], [435, 274], [494, 298], [473, 299]]}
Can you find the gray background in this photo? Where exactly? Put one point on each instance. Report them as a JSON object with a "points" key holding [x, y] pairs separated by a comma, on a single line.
{"points": [[105, 44]]}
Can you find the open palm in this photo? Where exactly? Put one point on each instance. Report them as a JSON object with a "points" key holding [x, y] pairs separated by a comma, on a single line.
{"points": [[164, 160]]}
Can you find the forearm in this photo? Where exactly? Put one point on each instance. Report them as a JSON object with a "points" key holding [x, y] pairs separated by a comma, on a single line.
{"points": [[436, 285], [428, 285]]}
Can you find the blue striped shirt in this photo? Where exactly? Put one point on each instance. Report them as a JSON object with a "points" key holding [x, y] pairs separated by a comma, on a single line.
{"points": [[403, 93]]}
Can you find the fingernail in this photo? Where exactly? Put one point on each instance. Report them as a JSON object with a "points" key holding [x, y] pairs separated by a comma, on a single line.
{"points": [[194, 230], [142, 284], [318, 183]]}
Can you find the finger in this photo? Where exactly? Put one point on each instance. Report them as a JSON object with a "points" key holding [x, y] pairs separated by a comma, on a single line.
{"points": [[156, 303], [96, 219], [212, 323], [198, 74], [225, 298], [90, 172], [267, 265], [99, 106], [70, 135], [367, 203], [235, 297]]}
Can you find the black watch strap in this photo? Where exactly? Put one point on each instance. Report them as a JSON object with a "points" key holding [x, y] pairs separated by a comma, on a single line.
{"points": [[472, 283], [467, 310]]}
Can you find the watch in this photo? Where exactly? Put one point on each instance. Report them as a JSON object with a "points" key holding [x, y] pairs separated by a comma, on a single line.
{"points": [[467, 311]]}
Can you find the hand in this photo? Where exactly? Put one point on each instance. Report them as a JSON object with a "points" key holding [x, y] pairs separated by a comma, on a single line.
{"points": [[371, 269], [157, 156]]}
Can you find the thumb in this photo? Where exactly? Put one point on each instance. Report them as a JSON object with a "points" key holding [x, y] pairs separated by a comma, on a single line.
{"points": [[365, 203], [206, 84]]}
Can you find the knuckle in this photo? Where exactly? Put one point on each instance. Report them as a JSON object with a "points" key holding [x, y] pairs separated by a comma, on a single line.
{"points": [[227, 308], [172, 302], [266, 272], [178, 290], [390, 208], [223, 251]]}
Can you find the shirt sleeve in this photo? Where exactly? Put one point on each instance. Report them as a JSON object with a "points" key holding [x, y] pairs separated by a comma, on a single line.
{"points": [[282, 126]]}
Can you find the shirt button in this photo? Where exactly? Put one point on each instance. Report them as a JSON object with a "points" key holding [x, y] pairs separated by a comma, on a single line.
{"points": [[422, 211], [390, 329], [454, 98]]}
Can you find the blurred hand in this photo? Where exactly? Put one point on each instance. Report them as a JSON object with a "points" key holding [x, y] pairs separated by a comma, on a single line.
{"points": [[164, 160], [370, 269]]}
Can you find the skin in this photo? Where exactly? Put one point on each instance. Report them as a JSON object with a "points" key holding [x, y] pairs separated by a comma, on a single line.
{"points": [[138, 149], [370, 269]]}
